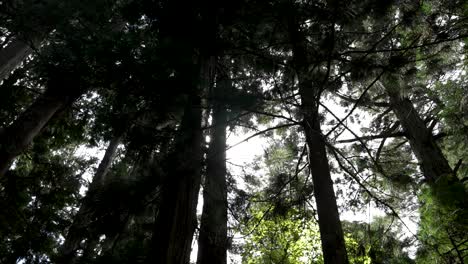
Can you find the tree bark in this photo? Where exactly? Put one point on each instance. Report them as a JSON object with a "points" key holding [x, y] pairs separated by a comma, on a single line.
{"points": [[212, 242], [12, 55], [432, 161], [77, 231], [16, 138], [176, 219], [331, 232]]}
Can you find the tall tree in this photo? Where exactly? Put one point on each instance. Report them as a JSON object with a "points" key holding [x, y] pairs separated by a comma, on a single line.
{"points": [[176, 218], [433, 163], [212, 242], [286, 60], [17, 137], [310, 90], [61, 70], [13, 54], [77, 231]]}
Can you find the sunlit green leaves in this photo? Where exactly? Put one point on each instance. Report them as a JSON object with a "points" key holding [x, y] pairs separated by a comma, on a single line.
{"points": [[279, 239]]}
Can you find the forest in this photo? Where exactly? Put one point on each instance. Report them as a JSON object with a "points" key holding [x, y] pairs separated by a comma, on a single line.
{"points": [[123, 125]]}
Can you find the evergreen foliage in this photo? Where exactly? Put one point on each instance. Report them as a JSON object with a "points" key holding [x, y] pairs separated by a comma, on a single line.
{"points": [[360, 102]]}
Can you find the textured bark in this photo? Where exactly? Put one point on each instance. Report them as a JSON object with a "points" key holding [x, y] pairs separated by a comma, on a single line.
{"points": [[433, 163], [78, 230], [212, 242], [331, 232], [16, 138], [12, 55], [176, 219]]}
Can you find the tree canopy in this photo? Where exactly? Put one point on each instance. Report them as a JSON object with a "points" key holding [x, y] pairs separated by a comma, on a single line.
{"points": [[116, 121]]}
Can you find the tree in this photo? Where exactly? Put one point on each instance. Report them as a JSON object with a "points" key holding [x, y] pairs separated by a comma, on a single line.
{"points": [[35, 197], [333, 245], [381, 241], [176, 219], [76, 231], [343, 92], [287, 238], [17, 136], [213, 240], [12, 55]]}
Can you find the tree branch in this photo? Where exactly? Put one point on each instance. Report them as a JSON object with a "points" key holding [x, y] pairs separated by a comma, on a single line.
{"points": [[356, 104], [372, 137], [262, 132], [377, 200], [363, 102], [372, 50]]}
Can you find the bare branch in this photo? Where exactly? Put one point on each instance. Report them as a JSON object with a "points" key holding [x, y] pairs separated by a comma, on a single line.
{"points": [[363, 102], [372, 137]]}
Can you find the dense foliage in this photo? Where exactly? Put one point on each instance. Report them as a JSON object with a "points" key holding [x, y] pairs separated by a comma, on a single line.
{"points": [[116, 118]]}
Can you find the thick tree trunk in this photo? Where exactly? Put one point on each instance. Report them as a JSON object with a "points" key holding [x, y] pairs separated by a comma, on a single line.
{"points": [[433, 163], [16, 138], [212, 242], [12, 55], [331, 232], [176, 219], [78, 230]]}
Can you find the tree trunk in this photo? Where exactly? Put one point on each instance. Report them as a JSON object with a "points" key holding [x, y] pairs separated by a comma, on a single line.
{"points": [[434, 166], [433, 163], [212, 242], [106, 162], [12, 55], [331, 232], [16, 138], [176, 219], [77, 231]]}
